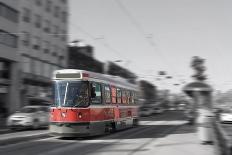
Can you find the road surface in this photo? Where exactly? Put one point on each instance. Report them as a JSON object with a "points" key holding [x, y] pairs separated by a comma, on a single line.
{"points": [[132, 141]]}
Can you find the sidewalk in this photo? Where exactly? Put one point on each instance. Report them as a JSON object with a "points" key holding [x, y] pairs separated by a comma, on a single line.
{"points": [[183, 142]]}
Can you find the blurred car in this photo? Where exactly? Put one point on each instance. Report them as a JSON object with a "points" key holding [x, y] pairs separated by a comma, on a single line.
{"points": [[225, 116], [145, 111], [29, 117], [158, 110]]}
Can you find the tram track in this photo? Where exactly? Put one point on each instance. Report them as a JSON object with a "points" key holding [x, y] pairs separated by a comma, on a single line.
{"points": [[91, 145], [141, 136], [118, 138]]}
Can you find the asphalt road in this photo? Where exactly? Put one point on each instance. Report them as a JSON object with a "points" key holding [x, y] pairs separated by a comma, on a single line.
{"points": [[228, 129], [130, 141]]}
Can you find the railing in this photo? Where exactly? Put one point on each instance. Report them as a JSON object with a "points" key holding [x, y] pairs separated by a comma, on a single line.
{"points": [[222, 140]]}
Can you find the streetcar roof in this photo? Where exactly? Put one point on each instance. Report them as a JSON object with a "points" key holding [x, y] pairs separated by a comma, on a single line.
{"points": [[75, 74]]}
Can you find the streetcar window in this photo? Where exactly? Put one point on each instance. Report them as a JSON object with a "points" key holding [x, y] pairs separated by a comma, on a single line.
{"points": [[135, 97], [119, 96], [71, 94], [113, 94], [124, 98], [132, 97], [128, 97], [97, 90], [107, 94]]}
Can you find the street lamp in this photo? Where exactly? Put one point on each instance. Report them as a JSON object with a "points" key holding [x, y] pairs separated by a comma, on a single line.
{"points": [[118, 61], [168, 77]]}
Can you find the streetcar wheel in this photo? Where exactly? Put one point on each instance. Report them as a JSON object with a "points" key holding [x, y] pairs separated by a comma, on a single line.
{"points": [[135, 122], [113, 127], [108, 128]]}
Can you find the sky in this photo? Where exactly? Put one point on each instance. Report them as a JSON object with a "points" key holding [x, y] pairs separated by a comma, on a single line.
{"points": [[158, 35]]}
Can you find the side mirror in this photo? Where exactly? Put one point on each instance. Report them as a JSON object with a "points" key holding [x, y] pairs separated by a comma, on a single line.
{"points": [[93, 94]]}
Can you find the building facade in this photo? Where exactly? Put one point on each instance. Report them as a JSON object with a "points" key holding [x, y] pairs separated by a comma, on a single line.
{"points": [[116, 70], [42, 45], [9, 88], [148, 92], [81, 57]]}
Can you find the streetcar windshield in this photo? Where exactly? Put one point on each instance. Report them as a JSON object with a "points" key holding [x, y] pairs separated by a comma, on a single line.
{"points": [[70, 93]]}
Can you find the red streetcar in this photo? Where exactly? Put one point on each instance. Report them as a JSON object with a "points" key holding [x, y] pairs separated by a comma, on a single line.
{"points": [[87, 103]]}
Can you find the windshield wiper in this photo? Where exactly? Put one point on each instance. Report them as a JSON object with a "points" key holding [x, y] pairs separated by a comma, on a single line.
{"points": [[66, 90]]}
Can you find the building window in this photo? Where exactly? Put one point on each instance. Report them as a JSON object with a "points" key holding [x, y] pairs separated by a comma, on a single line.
{"points": [[63, 36], [8, 39], [26, 15], [56, 11], [64, 16], [56, 31], [38, 21], [8, 13], [61, 58], [55, 50], [36, 43], [26, 38], [26, 64], [46, 47], [54, 54], [47, 25], [48, 5]]}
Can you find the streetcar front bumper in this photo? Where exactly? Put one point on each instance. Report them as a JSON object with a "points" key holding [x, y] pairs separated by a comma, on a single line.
{"points": [[69, 129]]}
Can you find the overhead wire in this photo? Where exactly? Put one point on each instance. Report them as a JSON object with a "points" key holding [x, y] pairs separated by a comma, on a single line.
{"points": [[95, 39], [105, 44], [133, 20], [148, 38]]}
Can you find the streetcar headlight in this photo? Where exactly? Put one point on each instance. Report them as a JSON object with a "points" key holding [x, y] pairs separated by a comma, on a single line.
{"points": [[63, 114], [79, 115]]}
